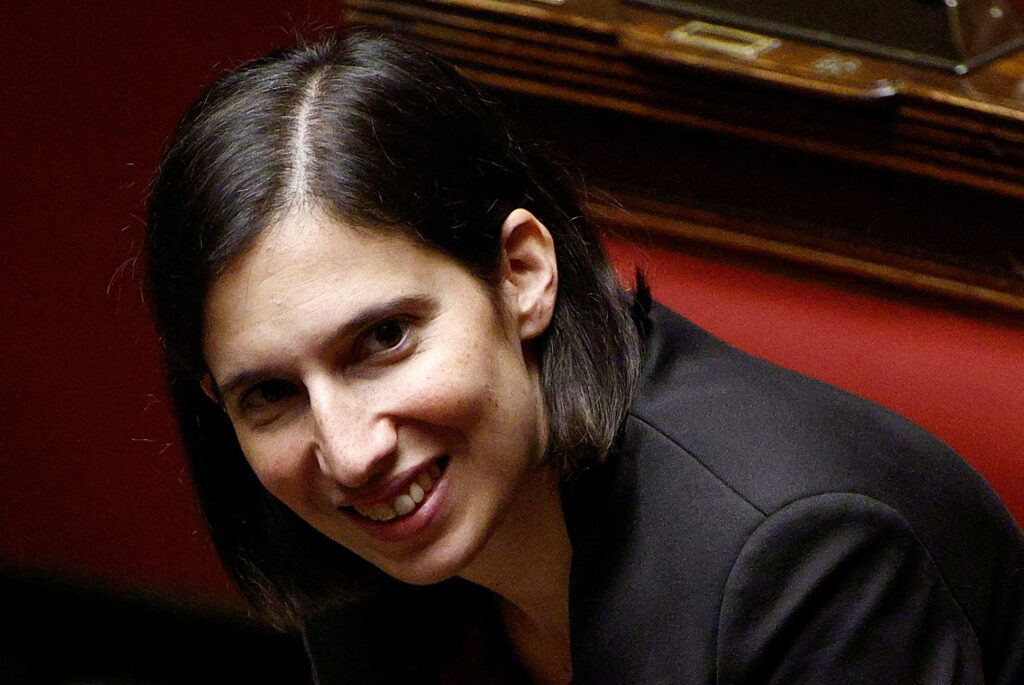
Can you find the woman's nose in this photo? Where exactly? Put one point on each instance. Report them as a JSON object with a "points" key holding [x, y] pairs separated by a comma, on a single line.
{"points": [[352, 440]]}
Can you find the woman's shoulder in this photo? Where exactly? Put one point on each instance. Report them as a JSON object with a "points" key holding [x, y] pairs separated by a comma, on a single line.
{"points": [[724, 455], [774, 435]]}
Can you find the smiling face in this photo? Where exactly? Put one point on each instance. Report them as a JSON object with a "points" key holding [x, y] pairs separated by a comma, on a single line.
{"points": [[381, 391]]}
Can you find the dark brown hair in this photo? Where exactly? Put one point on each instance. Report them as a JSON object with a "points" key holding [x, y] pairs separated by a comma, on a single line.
{"points": [[381, 135]]}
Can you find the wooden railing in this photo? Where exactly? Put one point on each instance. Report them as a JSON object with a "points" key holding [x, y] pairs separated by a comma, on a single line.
{"points": [[841, 160]]}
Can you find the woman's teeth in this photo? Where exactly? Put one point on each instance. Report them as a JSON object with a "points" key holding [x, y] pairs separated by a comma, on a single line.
{"points": [[404, 503]]}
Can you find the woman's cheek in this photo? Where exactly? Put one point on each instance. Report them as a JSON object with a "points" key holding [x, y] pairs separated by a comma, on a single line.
{"points": [[455, 398], [276, 461], [429, 387]]}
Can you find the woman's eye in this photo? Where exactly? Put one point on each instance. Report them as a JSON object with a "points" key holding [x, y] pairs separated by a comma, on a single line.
{"points": [[266, 394], [386, 336]]}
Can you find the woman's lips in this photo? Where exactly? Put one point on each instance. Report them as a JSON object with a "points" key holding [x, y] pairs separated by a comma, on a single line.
{"points": [[419, 518], [406, 501]]}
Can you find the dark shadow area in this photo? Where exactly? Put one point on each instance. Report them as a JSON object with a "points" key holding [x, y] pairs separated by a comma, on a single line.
{"points": [[55, 632]]}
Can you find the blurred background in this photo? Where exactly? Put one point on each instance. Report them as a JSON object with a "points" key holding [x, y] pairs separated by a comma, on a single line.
{"points": [[106, 571]]}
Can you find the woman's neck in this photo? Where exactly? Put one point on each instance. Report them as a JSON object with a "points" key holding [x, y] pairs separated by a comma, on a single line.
{"points": [[526, 564]]}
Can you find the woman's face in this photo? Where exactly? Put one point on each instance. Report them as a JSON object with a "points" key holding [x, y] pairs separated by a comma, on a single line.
{"points": [[377, 391]]}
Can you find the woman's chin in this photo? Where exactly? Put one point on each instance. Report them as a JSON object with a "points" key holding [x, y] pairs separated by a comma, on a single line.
{"points": [[442, 561], [423, 574]]}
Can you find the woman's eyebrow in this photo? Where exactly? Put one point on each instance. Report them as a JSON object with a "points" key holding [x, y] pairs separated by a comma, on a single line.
{"points": [[377, 312], [419, 302]]}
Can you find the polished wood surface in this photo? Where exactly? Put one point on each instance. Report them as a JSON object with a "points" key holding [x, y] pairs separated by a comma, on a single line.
{"points": [[892, 171]]}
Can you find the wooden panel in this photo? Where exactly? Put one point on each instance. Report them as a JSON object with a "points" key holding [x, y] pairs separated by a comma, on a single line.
{"points": [[957, 35], [891, 171]]}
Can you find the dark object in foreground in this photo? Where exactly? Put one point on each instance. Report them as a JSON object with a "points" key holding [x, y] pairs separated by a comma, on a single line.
{"points": [[53, 631]]}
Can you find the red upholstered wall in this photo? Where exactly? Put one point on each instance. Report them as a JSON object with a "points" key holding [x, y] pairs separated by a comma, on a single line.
{"points": [[91, 479]]}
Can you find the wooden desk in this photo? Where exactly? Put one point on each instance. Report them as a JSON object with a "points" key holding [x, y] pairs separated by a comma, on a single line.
{"points": [[905, 174]]}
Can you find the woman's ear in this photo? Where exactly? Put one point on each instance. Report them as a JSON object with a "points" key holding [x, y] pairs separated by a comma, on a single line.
{"points": [[530, 273]]}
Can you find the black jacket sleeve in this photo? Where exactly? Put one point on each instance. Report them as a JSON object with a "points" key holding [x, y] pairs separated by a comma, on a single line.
{"points": [[837, 588]]}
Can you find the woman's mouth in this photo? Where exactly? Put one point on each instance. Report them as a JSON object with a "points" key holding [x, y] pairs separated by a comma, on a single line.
{"points": [[407, 501]]}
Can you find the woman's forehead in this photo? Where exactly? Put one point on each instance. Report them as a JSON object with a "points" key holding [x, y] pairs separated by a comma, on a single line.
{"points": [[310, 226], [303, 249], [309, 273], [303, 241]]}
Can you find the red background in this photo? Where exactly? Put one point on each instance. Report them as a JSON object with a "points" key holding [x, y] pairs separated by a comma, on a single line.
{"points": [[92, 483]]}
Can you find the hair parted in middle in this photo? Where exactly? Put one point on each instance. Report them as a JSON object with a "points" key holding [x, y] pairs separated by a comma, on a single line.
{"points": [[381, 136]]}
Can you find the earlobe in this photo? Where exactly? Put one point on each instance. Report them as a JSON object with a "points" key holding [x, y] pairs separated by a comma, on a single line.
{"points": [[530, 276]]}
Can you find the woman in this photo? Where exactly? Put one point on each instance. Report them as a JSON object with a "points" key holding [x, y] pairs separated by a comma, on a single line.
{"points": [[429, 430]]}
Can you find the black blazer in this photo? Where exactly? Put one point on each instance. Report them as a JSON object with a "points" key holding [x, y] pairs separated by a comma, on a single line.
{"points": [[753, 526]]}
